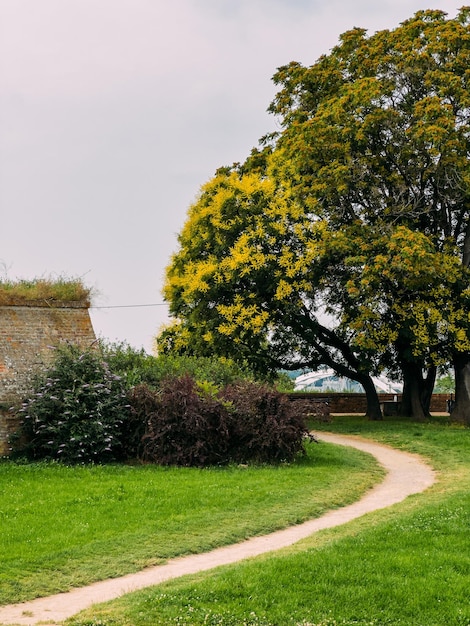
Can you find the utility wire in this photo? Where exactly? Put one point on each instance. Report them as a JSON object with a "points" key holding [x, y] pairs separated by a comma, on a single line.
{"points": [[128, 306]]}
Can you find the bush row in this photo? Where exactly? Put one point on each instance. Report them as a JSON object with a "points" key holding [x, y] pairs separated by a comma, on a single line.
{"points": [[186, 424], [115, 405], [136, 366]]}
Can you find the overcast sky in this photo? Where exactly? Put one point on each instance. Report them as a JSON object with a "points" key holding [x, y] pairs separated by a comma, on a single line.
{"points": [[113, 113]]}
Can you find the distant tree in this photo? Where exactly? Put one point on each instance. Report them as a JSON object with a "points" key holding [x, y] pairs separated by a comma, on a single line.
{"points": [[445, 384]]}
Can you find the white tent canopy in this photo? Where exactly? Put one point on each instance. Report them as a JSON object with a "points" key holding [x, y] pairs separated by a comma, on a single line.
{"points": [[327, 379]]}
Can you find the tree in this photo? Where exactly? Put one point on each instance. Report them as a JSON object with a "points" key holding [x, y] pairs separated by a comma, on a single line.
{"points": [[358, 210], [399, 298], [248, 279], [377, 134], [445, 384]]}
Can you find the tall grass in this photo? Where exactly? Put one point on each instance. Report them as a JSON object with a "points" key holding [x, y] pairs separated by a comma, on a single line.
{"points": [[49, 290], [64, 526], [408, 565]]}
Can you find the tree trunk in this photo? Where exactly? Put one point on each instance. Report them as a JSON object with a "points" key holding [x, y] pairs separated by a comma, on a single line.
{"points": [[417, 411], [374, 411], [461, 411], [415, 392], [405, 408], [427, 388]]}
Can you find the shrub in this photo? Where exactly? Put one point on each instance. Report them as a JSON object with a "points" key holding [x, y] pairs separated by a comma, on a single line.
{"points": [[184, 425], [265, 426], [193, 424], [283, 382], [133, 365], [80, 410], [219, 371], [75, 412], [136, 367]]}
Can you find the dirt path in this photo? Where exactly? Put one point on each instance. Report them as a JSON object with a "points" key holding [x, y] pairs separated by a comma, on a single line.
{"points": [[406, 474]]}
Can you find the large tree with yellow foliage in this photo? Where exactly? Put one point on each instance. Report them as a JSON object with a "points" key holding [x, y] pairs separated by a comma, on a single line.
{"points": [[249, 281], [359, 211]]}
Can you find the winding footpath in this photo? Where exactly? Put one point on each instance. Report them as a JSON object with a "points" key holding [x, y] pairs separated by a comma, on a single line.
{"points": [[407, 474]]}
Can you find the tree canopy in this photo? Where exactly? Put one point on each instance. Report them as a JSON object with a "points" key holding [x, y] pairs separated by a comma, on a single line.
{"points": [[345, 240]]}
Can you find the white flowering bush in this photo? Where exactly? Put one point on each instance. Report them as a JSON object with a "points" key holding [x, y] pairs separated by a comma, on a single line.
{"points": [[76, 411]]}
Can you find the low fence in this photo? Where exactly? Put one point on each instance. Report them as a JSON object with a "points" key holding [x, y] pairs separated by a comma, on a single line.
{"points": [[351, 403]]}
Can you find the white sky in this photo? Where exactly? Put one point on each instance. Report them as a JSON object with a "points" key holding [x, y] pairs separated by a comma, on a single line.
{"points": [[114, 112]]}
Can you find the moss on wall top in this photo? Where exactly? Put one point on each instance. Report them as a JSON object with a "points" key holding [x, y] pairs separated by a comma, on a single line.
{"points": [[45, 292]]}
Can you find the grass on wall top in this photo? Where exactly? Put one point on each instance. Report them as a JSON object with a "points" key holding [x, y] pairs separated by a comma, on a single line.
{"points": [[44, 292]]}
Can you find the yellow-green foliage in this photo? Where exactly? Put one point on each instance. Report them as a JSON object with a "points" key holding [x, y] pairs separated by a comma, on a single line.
{"points": [[399, 279], [358, 210], [44, 290], [235, 230]]}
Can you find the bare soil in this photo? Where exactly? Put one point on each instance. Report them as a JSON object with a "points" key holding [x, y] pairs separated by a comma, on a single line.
{"points": [[407, 474]]}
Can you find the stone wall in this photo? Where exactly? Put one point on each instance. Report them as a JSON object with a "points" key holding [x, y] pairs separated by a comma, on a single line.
{"points": [[28, 335], [356, 402]]}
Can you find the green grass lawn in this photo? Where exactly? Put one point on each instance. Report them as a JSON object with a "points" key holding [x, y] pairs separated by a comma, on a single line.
{"points": [[407, 565], [68, 526]]}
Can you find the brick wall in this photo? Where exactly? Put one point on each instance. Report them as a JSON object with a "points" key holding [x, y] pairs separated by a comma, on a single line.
{"points": [[28, 334], [356, 402]]}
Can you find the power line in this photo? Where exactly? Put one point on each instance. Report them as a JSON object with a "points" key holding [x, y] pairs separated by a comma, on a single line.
{"points": [[129, 306]]}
